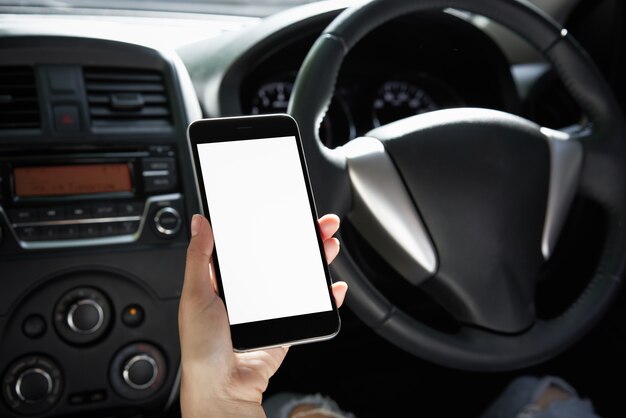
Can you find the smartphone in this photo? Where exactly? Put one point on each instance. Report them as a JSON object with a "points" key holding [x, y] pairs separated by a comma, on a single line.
{"points": [[269, 257]]}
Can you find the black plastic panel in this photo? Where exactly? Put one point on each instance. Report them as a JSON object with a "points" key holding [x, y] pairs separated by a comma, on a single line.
{"points": [[146, 271]]}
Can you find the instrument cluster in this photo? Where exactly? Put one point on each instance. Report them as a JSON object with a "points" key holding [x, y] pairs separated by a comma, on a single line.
{"points": [[359, 107]]}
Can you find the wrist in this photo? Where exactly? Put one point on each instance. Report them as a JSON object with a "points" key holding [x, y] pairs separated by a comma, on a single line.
{"points": [[201, 397], [215, 407], [220, 408]]}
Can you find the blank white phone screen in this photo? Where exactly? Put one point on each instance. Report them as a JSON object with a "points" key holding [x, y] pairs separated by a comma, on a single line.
{"points": [[265, 238]]}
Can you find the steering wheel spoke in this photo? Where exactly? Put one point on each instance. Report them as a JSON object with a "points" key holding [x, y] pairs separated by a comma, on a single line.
{"points": [[384, 213], [566, 158], [601, 165]]}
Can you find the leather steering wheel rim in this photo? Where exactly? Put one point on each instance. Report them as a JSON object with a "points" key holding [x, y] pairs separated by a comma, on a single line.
{"points": [[601, 179]]}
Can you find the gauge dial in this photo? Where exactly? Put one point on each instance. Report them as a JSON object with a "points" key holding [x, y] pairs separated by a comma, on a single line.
{"points": [[399, 99], [272, 98], [336, 128]]}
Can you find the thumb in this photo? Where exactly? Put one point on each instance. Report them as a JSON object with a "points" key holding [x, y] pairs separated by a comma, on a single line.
{"points": [[202, 319]]}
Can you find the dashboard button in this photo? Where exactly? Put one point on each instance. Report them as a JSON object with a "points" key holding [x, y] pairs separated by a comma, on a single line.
{"points": [[89, 231], [52, 214], [130, 208], [34, 326], [133, 316], [78, 212], [61, 81], [158, 164], [128, 227], [97, 396], [24, 215], [66, 119], [108, 229], [167, 221], [69, 231], [104, 210], [50, 233], [27, 233], [76, 399], [159, 183]]}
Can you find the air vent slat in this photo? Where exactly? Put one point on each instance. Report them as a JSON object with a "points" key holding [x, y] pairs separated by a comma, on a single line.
{"points": [[19, 105], [122, 87], [148, 99], [145, 112], [123, 77], [130, 123], [126, 97]]}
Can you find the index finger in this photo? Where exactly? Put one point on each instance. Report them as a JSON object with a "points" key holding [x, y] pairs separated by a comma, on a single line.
{"points": [[329, 225]]}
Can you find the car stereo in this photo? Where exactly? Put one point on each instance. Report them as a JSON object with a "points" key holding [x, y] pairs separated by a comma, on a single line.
{"points": [[90, 198]]}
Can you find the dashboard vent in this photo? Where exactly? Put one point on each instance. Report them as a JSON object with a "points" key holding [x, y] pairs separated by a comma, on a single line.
{"points": [[19, 107], [126, 98]]}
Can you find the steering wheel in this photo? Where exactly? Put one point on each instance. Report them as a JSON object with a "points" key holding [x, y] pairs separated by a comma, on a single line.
{"points": [[468, 203]]}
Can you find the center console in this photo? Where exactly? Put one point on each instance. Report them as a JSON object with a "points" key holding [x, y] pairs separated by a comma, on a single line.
{"points": [[95, 199]]}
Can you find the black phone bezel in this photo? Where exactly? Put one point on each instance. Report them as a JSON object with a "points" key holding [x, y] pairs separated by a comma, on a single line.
{"points": [[280, 331]]}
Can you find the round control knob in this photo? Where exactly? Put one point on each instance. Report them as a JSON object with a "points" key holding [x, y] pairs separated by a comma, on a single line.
{"points": [[33, 385], [140, 371], [82, 315], [167, 221], [85, 316]]}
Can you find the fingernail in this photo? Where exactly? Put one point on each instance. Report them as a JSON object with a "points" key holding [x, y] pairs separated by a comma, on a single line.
{"points": [[195, 224]]}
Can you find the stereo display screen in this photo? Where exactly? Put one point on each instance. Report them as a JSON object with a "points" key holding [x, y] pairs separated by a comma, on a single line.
{"points": [[69, 180]]}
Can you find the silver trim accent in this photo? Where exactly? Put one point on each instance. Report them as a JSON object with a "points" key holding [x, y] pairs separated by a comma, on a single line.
{"points": [[160, 228], [70, 316], [385, 213], [18, 383], [566, 158], [78, 221], [118, 239], [131, 363]]}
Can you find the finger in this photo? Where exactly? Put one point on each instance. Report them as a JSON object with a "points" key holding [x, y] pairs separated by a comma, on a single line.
{"points": [[331, 249], [329, 225], [198, 287], [339, 292]]}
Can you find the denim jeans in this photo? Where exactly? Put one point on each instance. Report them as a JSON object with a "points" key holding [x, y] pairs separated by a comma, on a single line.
{"points": [[516, 401]]}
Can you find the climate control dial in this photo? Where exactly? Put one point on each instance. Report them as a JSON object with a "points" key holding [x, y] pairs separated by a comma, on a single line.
{"points": [[82, 315], [138, 371], [32, 385]]}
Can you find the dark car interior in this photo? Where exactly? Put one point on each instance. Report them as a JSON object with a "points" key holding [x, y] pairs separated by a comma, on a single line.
{"points": [[474, 151]]}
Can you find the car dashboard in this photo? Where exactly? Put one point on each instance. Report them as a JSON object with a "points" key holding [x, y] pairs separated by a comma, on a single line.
{"points": [[96, 185], [95, 199]]}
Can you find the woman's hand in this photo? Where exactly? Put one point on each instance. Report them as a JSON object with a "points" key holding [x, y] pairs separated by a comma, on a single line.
{"points": [[216, 381]]}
